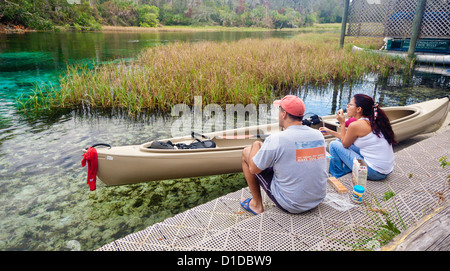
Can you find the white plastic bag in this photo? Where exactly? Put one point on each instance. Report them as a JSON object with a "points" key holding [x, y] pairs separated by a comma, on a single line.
{"points": [[340, 202]]}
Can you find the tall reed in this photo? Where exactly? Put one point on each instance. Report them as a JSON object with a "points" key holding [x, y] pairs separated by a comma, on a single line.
{"points": [[244, 71]]}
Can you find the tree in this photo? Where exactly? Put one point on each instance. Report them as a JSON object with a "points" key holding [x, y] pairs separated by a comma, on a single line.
{"points": [[257, 15], [285, 18], [204, 14], [241, 8], [148, 16], [279, 20], [119, 13]]}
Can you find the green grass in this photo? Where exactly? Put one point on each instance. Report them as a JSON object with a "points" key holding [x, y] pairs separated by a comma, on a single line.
{"points": [[245, 71]]}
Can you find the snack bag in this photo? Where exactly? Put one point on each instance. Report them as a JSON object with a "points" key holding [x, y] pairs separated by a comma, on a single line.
{"points": [[359, 172]]}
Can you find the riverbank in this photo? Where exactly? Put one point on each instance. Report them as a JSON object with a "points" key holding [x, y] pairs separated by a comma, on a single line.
{"points": [[193, 28], [173, 28], [14, 29]]}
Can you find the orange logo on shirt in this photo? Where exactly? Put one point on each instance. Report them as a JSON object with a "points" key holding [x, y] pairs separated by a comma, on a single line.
{"points": [[310, 154], [310, 150]]}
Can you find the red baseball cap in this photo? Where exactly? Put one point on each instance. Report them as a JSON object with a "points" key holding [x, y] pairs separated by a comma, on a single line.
{"points": [[292, 104]]}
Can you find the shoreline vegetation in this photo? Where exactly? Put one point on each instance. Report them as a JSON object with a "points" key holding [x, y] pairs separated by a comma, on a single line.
{"points": [[212, 28], [173, 28], [90, 15], [247, 71]]}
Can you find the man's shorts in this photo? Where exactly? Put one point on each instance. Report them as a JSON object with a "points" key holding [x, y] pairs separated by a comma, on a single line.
{"points": [[265, 179]]}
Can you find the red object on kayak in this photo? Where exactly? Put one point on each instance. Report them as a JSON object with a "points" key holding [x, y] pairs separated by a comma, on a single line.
{"points": [[91, 158]]}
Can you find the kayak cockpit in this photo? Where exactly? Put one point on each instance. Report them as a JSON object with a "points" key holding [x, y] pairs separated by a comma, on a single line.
{"points": [[221, 144], [397, 114]]}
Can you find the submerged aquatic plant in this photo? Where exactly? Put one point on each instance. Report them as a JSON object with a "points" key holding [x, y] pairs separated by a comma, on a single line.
{"points": [[245, 71]]}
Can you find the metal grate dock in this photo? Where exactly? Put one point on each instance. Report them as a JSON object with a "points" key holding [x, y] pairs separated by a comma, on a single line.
{"points": [[223, 225]]}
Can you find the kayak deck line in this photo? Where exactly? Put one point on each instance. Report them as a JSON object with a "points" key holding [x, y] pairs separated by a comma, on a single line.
{"points": [[223, 225]]}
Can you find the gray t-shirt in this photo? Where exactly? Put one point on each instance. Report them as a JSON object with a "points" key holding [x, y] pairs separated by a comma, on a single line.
{"points": [[297, 156]]}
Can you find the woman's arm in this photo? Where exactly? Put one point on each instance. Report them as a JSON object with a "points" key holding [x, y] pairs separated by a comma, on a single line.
{"points": [[325, 130], [341, 119], [349, 135]]}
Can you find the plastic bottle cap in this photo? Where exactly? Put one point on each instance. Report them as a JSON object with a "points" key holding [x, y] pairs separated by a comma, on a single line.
{"points": [[359, 188]]}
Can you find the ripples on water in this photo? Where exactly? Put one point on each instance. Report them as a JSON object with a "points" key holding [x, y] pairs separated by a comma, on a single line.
{"points": [[44, 199]]}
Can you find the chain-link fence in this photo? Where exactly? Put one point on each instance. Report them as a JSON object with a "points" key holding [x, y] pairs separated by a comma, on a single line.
{"points": [[394, 18]]}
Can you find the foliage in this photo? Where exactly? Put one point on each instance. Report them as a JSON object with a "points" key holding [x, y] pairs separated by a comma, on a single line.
{"points": [[148, 16], [21, 14], [387, 195], [90, 15], [119, 13], [443, 161], [46, 14], [381, 228], [286, 18]]}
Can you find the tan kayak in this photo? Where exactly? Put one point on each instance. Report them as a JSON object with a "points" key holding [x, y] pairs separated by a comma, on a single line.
{"points": [[140, 163]]}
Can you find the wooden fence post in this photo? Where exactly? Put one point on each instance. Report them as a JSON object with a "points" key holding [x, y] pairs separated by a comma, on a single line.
{"points": [[344, 22], [415, 31]]}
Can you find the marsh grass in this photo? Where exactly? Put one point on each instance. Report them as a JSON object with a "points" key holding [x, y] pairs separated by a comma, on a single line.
{"points": [[239, 72]]}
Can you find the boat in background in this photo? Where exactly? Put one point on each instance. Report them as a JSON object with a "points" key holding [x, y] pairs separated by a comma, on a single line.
{"points": [[423, 57], [411, 120], [140, 163]]}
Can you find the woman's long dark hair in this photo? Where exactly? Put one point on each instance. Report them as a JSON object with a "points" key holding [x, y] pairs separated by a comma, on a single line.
{"points": [[378, 120]]}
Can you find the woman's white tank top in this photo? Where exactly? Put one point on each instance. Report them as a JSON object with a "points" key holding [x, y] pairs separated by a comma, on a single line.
{"points": [[377, 152]]}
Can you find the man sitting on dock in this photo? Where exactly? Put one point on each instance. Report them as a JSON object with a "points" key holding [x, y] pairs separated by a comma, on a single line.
{"points": [[290, 166]]}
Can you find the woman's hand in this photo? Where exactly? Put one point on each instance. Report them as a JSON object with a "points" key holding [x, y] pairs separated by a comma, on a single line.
{"points": [[340, 117], [324, 130]]}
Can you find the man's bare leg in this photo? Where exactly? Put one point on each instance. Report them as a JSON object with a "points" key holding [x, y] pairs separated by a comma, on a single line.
{"points": [[256, 203]]}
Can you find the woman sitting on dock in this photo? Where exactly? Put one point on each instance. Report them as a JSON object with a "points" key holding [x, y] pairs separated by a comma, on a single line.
{"points": [[370, 137]]}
